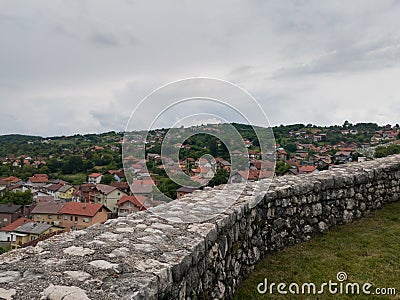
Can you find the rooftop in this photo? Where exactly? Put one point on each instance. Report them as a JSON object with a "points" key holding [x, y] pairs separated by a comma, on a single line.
{"points": [[33, 228]]}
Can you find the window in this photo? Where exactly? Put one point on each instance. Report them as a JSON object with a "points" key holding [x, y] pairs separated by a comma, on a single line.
{"points": [[71, 218], [86, 220], [38, 217], [58, 217], [76, 219], [65, 217], [32, 238], [5, 220]]}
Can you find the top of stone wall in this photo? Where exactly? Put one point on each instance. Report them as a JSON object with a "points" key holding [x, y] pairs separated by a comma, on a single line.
{"points": [[138, 256]]}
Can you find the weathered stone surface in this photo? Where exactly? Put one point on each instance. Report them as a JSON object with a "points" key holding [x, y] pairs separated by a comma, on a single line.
{"points": [[153, 256], [64, 293]]}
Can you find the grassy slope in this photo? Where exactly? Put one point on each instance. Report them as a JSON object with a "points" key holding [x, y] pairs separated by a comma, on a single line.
{"points": [[368, 250]]}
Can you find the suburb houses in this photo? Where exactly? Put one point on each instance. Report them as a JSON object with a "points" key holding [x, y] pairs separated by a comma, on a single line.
{"points": [[107, 195]]}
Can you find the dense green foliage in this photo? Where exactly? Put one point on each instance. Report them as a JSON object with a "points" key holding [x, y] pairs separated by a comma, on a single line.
{"points": [[17, 197], [383, 151]]}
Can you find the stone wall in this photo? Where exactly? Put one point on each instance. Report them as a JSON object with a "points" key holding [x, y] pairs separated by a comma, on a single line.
{"points": [[143, 256]]}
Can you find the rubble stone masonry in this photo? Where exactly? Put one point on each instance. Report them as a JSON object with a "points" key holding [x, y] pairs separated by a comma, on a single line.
{"points": [[144, 256]]}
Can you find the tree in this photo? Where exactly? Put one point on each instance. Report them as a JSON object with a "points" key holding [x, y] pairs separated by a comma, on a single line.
{"points": [[107, 179], [17, 197], [73, 165], [221, 177], [291, 147]]}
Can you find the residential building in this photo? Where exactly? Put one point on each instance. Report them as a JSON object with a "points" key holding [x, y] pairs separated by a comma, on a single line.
{"points": [[53, 189], [9, 213], [66, 192], [5, 232], [142, 187], [95, 178], [107, 195], [38, 180], [48, 212], [118, 175], [78, 215], [29, 232], [123, 186], [130, 204]]}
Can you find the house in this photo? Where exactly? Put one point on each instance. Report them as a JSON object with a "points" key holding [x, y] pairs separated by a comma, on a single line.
{"points": [[43, 198], [322, 164], [243, 176], [66, 192], [307, 169], [182, 191], [123, 186], [9, 213], [5, 232], [343, 157], [130, 204], [107, 195], [12, 180], [38, 180], [281, 154], [77, 215], [29, 232], [82, 193], [223, 164], [118, 175], [95, 178], [47, 212], [142, 187], [53, 190]]}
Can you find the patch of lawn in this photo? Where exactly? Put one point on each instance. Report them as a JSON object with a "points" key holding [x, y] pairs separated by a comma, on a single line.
{"points": [[367, 250], [74, 179]]}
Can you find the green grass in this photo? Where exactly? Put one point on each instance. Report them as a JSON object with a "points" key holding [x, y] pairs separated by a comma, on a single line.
{"points": [[74, 179], [368, 250]]}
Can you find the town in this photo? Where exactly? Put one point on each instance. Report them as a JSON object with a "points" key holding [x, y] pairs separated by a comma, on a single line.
{"points": [[57, 184]]}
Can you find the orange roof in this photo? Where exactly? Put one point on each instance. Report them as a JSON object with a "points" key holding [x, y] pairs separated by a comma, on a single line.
{"points": [[41, 175], [307, 169], [38, 179], [12, 179], [81, 209], [95, 175], [15, 224]]}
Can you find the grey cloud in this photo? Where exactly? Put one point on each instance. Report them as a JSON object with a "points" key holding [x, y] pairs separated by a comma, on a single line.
{"points": [[373, 55], [103, 38], [91, 62]]}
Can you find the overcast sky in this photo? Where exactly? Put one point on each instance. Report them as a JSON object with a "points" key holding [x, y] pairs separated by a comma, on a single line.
{"points": [[80, 66]]}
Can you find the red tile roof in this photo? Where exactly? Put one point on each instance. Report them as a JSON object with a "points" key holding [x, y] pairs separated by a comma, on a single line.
{"points": [[12, 179], [95, 175], [38, 179], [81, 209], [121, 185], [307, 169], [15, 224], [138, 201]]}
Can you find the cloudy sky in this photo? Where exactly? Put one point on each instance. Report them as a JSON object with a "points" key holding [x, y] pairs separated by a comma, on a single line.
{"points": [[79, 66]]}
